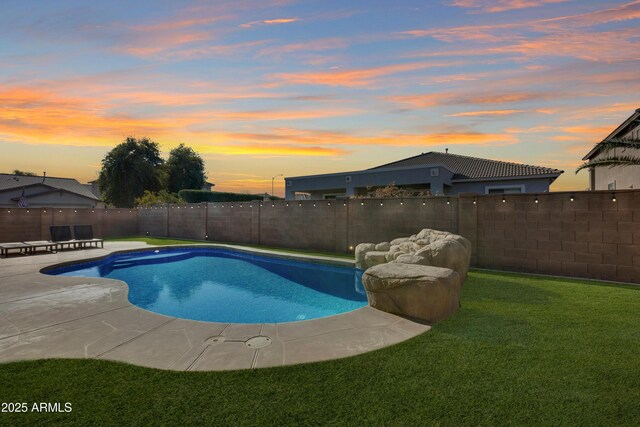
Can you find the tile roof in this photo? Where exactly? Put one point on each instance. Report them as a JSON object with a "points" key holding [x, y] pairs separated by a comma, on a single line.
{"points": [[10, 181], [465, 167]]}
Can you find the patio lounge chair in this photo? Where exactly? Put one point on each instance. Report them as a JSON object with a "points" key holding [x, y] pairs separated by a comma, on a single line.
{"points": [[35, 245], [21, 246], [61, 235], [84, 235]]}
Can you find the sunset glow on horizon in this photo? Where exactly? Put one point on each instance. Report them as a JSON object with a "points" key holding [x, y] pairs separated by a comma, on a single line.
{"points": [[262, 88]]}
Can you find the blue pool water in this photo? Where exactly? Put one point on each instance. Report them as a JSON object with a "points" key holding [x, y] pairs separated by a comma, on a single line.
{"points": [[219, 285]]}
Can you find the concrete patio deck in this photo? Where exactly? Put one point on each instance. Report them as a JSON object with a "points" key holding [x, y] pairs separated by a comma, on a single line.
{"points": [[44, 316]]}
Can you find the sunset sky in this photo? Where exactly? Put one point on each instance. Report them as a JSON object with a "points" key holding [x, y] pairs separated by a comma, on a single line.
{"points": [[267, 87]]}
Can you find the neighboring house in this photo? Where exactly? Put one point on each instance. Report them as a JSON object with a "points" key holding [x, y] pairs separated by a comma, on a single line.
{"points": [[439, 173], [207, 186], [93, 187], [44, 191], [604, 178]]}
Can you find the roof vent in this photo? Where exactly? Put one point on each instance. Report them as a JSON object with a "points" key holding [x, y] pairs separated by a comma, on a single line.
{"points": [[446, 151]]}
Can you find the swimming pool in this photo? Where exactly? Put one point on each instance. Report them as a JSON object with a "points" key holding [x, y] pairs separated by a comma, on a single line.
{"points": [[221, 285]]}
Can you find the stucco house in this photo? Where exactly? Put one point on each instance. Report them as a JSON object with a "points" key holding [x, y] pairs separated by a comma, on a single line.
{"points": [[604, 178], [44, 191], [439, 173]]}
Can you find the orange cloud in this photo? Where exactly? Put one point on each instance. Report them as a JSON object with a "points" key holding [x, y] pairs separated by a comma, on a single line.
{"points": [[501, 5], [430, 100], [624, 12], [389, 139], [355, 77], [308, 46], [487, 113], [276, 21]]}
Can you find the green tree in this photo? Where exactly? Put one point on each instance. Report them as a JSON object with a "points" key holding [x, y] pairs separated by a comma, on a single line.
{"points": [[149, 198], [185, 169], [616, 148], [128, 170], [23, 173]]}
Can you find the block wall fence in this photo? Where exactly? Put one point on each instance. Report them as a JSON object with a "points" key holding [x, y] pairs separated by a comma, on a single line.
{"points": [[578, 234]]}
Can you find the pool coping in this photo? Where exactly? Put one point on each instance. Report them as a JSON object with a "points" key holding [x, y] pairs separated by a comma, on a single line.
{"points": [[45, 316]]}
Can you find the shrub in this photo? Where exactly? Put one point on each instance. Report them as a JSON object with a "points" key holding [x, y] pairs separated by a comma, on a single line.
{"points": [[149, 198], [200, 196]]}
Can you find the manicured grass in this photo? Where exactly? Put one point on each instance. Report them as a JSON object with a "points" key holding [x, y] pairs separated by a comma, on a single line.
{"points": [[522, 350], [166, 241]]}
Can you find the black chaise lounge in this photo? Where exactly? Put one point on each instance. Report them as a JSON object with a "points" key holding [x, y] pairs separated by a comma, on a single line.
{"points": [[61, 235], [84, 236]]}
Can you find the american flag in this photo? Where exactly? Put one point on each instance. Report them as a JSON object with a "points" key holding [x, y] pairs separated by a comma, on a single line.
{"points": [[22, 202]]}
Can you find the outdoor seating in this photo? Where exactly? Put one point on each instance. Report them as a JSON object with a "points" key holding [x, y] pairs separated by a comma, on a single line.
{"points": [[35, 245], [61, 235], [19, 246], [84, 235]]}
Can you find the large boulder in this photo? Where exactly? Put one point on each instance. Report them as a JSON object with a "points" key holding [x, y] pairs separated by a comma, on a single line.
{"points": [[383, 247], [374, 258], [417, 291], [446, 253], [361, 251]]}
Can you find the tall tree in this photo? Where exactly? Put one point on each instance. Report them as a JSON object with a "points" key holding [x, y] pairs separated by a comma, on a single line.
{"points": [[128, 170], [617, 154], [23, 173], [185, 169]]}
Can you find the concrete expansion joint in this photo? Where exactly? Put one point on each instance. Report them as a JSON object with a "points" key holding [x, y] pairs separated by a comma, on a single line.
{"points": [[62, 323], [136, 337]]}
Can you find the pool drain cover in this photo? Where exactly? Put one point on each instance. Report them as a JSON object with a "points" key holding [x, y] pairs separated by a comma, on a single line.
{"points": [[214, 340], [258, 342]]}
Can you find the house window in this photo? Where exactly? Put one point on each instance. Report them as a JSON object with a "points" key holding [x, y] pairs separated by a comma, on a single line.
{"points": [[332, 196], [504, 189], [611, 186]]}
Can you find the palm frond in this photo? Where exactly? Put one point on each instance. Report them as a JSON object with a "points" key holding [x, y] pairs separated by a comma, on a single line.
{"points": [[622, 143], [611, 162]]}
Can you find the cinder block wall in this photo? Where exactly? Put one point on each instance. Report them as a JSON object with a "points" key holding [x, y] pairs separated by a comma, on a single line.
{"points": [[19, 225], [591, 236]]}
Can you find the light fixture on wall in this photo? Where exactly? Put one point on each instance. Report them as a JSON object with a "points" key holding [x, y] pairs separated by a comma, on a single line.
{"points": [[361, 203], [328, 203], [314, 204], [448, 201], [350, 248], [475, 201], [381, 203], [536, 200], [402, 201], [424, 203], [504, 200], [613, 199], [571, 199]]}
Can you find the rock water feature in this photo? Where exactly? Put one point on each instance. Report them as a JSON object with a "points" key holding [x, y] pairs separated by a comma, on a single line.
{"points": [[418, 276]]}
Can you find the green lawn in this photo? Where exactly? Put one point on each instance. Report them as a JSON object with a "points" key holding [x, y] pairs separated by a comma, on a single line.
{"points": [[522, 350]]}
